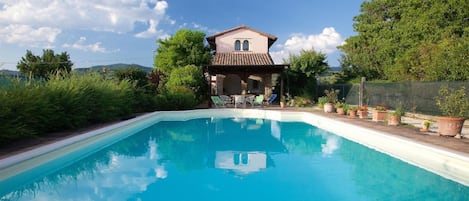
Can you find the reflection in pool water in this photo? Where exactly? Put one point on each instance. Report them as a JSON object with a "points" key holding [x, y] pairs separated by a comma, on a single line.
{"points": [[237, 159]]}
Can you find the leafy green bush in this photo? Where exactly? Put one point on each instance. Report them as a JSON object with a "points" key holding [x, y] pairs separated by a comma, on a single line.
{"points": [[299, 101], [452, 102], [180, 99], [190, 77]]}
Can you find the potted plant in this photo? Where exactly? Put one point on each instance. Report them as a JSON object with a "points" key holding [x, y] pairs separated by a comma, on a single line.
{"points": [[379, 114], [321, 102], [331, 97], [352, 111], [340, 107], [454, 104], [425, 126], [283, 101], [362, 112], [394, 118]]}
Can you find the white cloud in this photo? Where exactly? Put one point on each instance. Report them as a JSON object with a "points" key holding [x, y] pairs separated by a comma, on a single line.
{"points": [[80, 45], [326, 42], [99, 15], [152, 31], [27, 35]]}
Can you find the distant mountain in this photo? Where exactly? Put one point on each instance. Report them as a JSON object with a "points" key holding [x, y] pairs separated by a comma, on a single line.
{"points": [[12, 73], [112, 67], [335, 69]]}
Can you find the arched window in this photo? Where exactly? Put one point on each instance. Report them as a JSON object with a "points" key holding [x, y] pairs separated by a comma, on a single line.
{"points": [[245, 45], [237, 45]]}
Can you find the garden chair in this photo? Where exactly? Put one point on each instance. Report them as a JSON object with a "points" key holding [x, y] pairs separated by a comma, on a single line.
{"points": [[259, 100], [239, 100], [217, 101], [226, 99], [271, 99], [250, 99]]}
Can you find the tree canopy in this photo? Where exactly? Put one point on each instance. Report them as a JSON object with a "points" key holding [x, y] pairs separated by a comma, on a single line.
{"points": [[410, 40], [42, 66], [185, 47], [303, 71], [181, 57]]}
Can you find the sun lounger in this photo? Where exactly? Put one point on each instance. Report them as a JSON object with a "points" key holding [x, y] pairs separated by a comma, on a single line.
{"points": [[259, 100], [217, 101], [271, 99]]}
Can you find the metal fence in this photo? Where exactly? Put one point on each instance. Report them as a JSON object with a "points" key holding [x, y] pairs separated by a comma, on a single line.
{"points": [[417, 97]]}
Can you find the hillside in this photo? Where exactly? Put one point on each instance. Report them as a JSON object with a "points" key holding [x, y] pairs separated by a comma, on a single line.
{"points": [[113, 67], [12, 73]]}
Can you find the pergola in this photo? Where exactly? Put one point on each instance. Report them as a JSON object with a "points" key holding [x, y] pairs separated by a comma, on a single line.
{"points": [[244, 71]]}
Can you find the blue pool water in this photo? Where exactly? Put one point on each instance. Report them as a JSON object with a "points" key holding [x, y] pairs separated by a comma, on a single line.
{"points": [[233, 159]]}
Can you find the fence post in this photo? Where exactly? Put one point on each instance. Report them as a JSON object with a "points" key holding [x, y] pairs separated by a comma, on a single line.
{"points": [[361, 91]]}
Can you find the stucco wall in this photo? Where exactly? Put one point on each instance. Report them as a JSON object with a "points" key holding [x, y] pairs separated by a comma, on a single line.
{"points": [[257, 43]]}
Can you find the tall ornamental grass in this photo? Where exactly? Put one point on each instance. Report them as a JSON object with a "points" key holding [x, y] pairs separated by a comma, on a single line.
{"points": [[33, 108]]}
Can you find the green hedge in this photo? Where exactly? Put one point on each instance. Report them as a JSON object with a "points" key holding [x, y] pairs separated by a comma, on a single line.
{"points": [[31, 108]]}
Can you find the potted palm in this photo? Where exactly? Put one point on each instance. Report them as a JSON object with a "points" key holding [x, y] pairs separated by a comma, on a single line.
{"points": [[454, 104], [331, 97]]}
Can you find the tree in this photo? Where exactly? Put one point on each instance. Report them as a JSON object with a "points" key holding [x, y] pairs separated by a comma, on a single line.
{"points": [[181, 57], [190, 77], [409, 40], [304, 68], [42, 66], [186, 47], [134, 74]]}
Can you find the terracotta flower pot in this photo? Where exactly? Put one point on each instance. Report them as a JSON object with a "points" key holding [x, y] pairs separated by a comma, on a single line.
{"points": [[352, 113], [379, 115], [394, 120], [450, 126], [362, 114], [340, 111]]}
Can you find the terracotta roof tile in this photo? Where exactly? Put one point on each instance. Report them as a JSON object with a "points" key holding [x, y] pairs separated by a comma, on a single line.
{"points": [[239, 58]]}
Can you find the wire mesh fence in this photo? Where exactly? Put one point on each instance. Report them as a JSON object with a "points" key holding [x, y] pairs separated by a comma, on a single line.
{"points": [[416, 97]]}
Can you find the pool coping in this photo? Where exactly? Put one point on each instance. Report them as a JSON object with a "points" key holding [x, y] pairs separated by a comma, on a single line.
{"points": [[447, 163]]}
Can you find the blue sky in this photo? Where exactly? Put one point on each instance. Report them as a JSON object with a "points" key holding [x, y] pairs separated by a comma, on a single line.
{"points": [[101, 32]]}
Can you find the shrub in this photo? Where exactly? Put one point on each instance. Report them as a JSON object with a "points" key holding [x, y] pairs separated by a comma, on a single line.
{"points": [[180, 99], [452, 102], [34, 107], [24, 110], [190, 77], [299, 101]]}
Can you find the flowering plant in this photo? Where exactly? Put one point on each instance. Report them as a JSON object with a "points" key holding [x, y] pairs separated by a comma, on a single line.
{"points": [[380, 108], [362, 108]]}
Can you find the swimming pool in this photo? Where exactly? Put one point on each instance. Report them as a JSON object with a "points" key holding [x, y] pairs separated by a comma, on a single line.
{"points": [[234, 154]]}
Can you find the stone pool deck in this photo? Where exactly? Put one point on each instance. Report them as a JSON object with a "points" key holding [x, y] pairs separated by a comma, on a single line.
{"points": [[409, 130]]}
